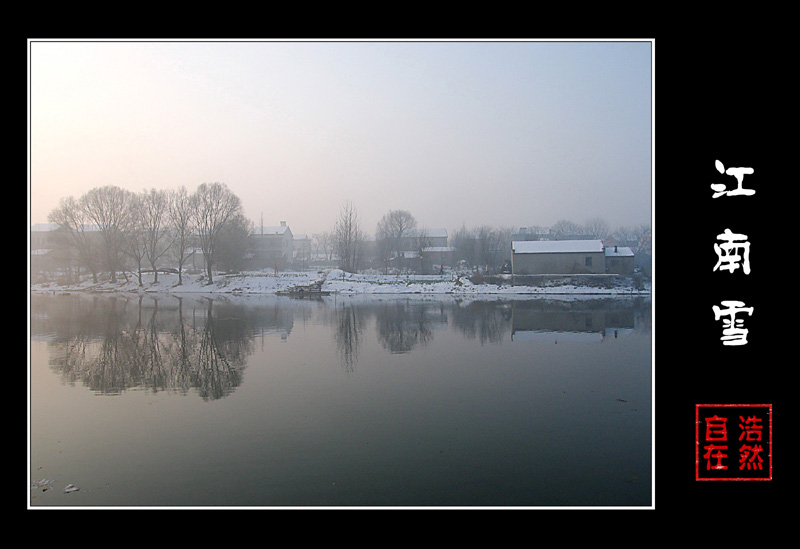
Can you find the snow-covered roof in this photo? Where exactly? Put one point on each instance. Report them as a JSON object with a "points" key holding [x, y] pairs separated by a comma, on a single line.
{"points": [[275, 230], [556, 246], [618, 251], [437, 249]]}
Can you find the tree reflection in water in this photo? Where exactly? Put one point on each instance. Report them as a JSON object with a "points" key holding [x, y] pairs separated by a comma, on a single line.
{"points": [[115, 343], [349, 327], [111, 345], [403, 326]]}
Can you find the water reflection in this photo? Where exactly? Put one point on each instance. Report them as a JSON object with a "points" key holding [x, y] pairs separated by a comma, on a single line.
{"points": [[115, 343], [112, 344], [405, 325], [348, 333], [583, 320]]}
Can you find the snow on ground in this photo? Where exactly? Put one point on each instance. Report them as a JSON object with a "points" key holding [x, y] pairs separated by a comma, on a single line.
{"points": [[335, 281]]}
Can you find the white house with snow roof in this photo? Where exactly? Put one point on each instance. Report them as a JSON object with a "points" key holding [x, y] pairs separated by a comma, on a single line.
{"points": [[557, 257]]}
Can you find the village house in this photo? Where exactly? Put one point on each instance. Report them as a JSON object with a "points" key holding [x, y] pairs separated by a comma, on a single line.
{"points": [[270, 247], [619, 260], [425, 250], [557, 257], [640, 249]]}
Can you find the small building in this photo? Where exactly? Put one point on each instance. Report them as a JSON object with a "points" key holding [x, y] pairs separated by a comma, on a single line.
{"points": [[619, 260], [557, 257], [270, 247]]}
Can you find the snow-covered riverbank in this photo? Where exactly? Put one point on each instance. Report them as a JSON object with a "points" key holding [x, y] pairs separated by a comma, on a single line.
{"points": [[335, 281]]}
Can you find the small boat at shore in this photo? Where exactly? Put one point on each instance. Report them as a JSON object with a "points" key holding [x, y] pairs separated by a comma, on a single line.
{"points": [[310, 290]]}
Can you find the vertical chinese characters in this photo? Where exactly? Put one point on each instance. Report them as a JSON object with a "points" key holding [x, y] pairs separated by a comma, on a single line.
{"points": [[750, 455], [733, 253], [716, 430]]}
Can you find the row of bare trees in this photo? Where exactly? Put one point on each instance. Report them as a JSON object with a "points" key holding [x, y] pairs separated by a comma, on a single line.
{"points": [[109, 229], [484, 246], [395, 234], [114, 230]]}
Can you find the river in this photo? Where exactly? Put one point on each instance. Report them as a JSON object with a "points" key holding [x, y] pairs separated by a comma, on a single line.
{"points": [[341, 401]]}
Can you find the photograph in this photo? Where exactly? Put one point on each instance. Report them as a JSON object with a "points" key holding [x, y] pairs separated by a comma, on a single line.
{"points": [[377, 274]]}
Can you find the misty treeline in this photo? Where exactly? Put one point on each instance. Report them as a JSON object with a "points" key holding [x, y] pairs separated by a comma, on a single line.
{"points": [[112, 230], [479, 248]]}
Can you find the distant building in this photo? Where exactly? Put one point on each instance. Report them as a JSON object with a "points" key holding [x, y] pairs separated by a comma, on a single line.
{"points": [[641, 250], [270, 247], [557, 257], [619, 260], [425, 250]]}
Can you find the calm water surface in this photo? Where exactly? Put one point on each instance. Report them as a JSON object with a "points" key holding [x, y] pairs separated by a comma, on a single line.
{"points": [[341, 401]]}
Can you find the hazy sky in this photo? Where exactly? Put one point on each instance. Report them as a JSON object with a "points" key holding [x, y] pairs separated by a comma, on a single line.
{"points": [[501, 133]]}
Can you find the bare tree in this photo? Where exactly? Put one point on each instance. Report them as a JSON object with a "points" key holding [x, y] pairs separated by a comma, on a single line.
{"points": [[393, 227], [464, 242], [153, 210], [348, 238], [182, 227], [324, 244], [74, 234], [385, 251], [503, 245], [643, 237], [638, 238], [488, 245], [565, 229], [421, 242], [597, 228], [213, 207], [136, 236], [233, 243], [109, 209]]}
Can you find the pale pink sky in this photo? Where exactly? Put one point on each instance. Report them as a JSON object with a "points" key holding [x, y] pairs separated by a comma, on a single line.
{"points": [[508, 134]]}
